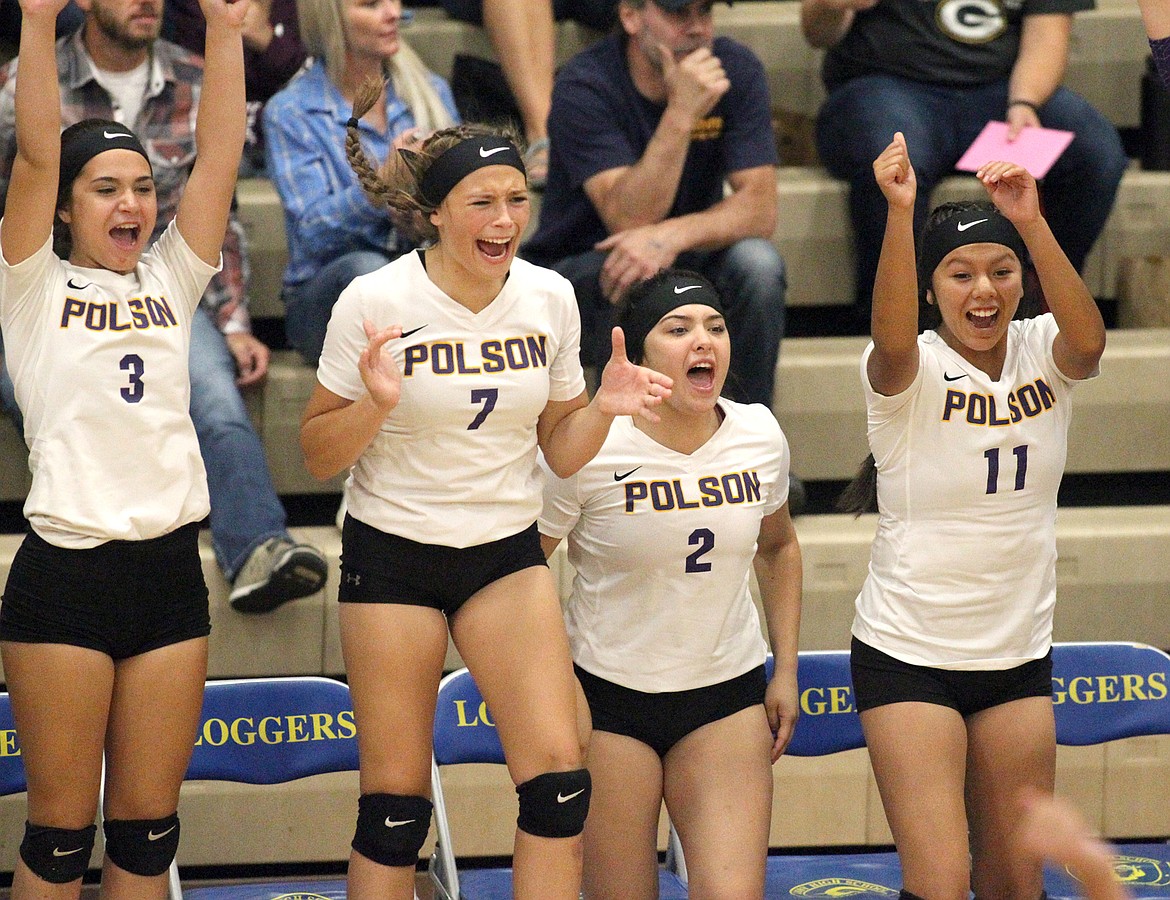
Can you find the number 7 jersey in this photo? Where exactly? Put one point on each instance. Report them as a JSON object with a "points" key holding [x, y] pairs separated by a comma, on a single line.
{"points": [[455, 462], [963, 567]]}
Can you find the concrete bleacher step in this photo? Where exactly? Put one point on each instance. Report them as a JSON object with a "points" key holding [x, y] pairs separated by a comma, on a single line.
{"points": [[814, 236], [1119, 421], [1107, 51], [1113, 578]]}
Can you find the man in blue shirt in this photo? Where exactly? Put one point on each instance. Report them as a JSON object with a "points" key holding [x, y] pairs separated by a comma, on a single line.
{"points": [[646, 128]]}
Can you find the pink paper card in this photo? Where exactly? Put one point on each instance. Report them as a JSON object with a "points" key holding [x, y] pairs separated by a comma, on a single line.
{"points": [[1036, 149]]}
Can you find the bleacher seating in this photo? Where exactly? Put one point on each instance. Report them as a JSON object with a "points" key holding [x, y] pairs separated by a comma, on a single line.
{"points": [[1114, 568]]}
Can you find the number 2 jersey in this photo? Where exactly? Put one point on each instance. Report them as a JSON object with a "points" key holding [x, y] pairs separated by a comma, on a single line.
{"points": [[99, 362], [454, 463], [663, 544], [962, 573]]}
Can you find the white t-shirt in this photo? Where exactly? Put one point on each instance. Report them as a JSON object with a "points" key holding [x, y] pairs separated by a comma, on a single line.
{"points": [[963, 568], [663, 544], [99, 363], [455, 462]]}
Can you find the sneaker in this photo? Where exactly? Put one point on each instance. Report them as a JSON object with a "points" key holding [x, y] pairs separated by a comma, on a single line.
{"points": [[276, 572]]}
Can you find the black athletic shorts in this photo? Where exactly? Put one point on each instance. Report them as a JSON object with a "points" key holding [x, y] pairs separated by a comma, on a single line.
{"points": [[662, 720], [121, 598], [879, 679], [377, 567]]}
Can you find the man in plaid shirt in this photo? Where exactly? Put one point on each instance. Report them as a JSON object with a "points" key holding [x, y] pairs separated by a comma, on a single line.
{"points": [[116, 67]]}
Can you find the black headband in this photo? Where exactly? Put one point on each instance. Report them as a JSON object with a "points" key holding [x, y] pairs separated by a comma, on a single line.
{"points": [[456, 163], [977, 226], [82, 142], [645, 308]]}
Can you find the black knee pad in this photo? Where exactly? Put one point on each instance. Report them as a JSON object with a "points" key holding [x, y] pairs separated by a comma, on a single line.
{"points": [[142, 846], [555, 804], [391, 828], [57, 855]]}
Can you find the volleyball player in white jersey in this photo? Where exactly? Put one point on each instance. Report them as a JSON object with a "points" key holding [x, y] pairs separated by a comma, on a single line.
{"points": [[441, 373], [664, 526], [968, 425], [104, 622]]}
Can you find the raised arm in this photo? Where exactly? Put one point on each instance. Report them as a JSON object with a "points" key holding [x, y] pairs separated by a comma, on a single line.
{"points": [[219, 133], [894, 322], [1156, 15], [1077, 349], [32, 191]]}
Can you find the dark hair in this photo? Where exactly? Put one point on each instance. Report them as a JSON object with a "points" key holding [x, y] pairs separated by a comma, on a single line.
{"points": [[929, 316], [647, 301], [396, 186]]}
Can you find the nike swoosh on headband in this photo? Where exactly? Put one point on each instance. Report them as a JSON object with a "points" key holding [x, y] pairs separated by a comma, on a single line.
{"points": [[963, 226], [485, 153], [686, 287], [115, 135]]}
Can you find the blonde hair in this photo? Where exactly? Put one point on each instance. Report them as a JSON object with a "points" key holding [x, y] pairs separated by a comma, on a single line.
{"points": [[322, 25], [395, 186]]}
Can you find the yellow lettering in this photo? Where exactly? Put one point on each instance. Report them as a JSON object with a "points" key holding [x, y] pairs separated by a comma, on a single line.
{"points": [[1057, 695], [483, 715], [808, 706], [1107, 689], [209, 729], [1080, 690], [245, 738], [8, 745], [460, 706], [296, 729], [270, 730], [839, 700], [345, 724], [323, 727], [1156, 685]]}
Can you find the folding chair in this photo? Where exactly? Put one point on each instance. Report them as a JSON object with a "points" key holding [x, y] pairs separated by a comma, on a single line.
{"points": [[464, 733], [272, 731], [1103, 692]]}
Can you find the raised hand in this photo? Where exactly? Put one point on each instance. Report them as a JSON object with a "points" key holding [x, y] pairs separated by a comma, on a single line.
{"points": [[1013, 190], [634, 255], [379, 371], [694, 83], [894, 174], [229, 12], [627, 389]]}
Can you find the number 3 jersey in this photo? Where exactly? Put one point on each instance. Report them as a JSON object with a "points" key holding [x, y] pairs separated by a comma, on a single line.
{"points": [[455, 461], [962, 573], [100, 366], [663, 544]]}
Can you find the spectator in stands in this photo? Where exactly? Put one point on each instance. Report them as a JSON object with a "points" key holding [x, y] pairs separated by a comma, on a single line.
{"points": [[334, 232], [646, 127], [116, 67], [444, 495], [1156, 14], [968, 423], [939, 74], [1053, 829], [273, 54], [524, 39], [104, 621], [665, 636]]}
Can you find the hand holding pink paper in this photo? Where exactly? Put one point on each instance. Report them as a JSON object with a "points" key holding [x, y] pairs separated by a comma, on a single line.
{"points": [[1036, 149]]}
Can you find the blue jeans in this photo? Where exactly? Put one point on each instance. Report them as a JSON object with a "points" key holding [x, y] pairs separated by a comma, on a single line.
{"points": [[245, 510], [308, 305], [859, 118], [752, 282]]}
